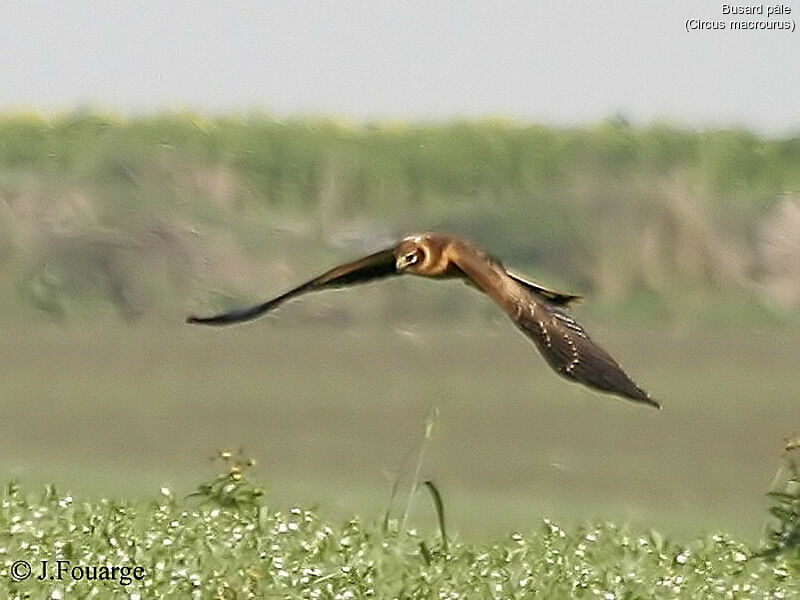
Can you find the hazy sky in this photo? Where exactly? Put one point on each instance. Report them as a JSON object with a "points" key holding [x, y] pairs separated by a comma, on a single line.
{"points": [[562, 61]]}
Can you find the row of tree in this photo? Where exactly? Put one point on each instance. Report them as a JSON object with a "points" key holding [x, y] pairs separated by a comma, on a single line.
{"points": [[134, 213]]}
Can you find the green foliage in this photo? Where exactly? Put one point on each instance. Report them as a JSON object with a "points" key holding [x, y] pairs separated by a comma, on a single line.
{"points": [[231, 489], [189, 551], [784, 532], [98, 207]]}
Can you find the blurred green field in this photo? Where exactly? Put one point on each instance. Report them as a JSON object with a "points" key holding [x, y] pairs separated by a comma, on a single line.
{"points": [[330, 412]]}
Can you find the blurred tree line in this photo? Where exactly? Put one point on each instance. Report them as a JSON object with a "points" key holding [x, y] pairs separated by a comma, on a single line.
{"points": [[146, 215]]}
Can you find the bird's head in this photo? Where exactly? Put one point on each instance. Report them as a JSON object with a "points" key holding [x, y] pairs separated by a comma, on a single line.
{"points": [[410, 255]]}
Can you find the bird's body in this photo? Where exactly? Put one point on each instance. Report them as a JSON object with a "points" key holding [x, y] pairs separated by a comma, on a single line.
{"points": [[538, 311]]}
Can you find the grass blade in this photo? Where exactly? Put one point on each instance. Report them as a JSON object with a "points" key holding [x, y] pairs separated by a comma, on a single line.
{"points": [[430, 424], [437, 502]]}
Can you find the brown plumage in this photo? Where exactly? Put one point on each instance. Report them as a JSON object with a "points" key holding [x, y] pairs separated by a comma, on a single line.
{"points": [[539, 312]]}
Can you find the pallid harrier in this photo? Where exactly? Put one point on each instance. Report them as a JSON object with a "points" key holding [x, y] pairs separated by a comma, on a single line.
{"points": [[539, 312]]}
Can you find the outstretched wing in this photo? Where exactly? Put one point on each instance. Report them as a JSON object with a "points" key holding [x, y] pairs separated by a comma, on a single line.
{"points": [[539, 313], [571, 353], [375, 266]]}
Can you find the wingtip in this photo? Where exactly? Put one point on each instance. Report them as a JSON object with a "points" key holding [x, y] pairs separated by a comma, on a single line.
{"points": [[654, 403], [216, 321], [201, 320], [643, 397]]}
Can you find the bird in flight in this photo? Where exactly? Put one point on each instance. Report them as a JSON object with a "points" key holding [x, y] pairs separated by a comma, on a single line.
{"points": [[538, 311]]}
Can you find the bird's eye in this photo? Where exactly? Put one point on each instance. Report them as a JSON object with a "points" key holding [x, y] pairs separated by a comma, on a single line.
{"points": [[412, 258]]}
